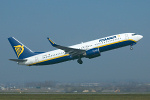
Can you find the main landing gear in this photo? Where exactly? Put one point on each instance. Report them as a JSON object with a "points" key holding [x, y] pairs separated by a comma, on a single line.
{"points": [[79, 61]]}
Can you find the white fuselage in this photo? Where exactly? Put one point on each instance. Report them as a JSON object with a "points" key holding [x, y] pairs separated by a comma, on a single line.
{"points": [[110, 42]]}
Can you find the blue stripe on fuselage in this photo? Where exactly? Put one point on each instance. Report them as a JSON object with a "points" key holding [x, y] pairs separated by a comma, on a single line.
{"points": [[116, 45]]}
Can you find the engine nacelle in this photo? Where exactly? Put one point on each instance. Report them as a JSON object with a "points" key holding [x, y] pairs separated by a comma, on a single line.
{"points": [[92, 53]]}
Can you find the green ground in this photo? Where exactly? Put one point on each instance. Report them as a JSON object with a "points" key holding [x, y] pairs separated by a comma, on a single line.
{"points": [[74, 96]]}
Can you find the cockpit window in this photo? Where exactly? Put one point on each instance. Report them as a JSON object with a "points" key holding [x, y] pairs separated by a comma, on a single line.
{"points": [[134, 34]]}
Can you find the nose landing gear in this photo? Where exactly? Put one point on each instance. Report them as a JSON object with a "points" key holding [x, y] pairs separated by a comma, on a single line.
{"points": [[131, 48]]}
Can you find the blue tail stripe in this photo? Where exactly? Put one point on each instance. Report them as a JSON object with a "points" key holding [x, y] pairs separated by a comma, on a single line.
{"points": [[21, 50]]}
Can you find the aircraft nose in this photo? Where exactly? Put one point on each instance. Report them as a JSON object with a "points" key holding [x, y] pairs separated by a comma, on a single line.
{"points": [[139, 37]]}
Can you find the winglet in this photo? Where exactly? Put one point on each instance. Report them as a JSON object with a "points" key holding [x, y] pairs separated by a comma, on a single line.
{"points": [[52, 43]]}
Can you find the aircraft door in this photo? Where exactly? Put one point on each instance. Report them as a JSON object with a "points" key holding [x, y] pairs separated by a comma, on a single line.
{"points": [[36, 59], [126, 36]]}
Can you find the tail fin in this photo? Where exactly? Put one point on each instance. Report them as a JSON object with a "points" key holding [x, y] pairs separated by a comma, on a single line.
{"points": [[21, 50]]}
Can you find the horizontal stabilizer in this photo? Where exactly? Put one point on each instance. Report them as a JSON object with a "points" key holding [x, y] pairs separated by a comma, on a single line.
{"points": [[18, 60]]}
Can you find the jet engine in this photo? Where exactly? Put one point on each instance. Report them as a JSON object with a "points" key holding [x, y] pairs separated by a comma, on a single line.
{"points": [[92, 53]]}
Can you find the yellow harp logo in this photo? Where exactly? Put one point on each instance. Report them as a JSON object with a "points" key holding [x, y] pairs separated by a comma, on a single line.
{"points": [[19, 50]]}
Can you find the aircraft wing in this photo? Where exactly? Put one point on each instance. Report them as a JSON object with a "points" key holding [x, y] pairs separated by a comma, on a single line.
{"points": [[72, 51]]}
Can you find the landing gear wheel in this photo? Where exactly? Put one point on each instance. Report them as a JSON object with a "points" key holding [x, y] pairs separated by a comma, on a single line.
{"points": [[79, 61], [131, 48]]}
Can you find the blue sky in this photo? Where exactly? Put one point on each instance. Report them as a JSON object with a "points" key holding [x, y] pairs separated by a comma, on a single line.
{"points": [[69, 22]]}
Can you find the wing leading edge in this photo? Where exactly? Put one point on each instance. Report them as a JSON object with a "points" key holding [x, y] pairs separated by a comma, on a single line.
{"points": [[72, 51]]}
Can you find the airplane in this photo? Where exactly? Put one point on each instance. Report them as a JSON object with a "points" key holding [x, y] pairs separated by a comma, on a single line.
{"points": [[90, 49]]}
